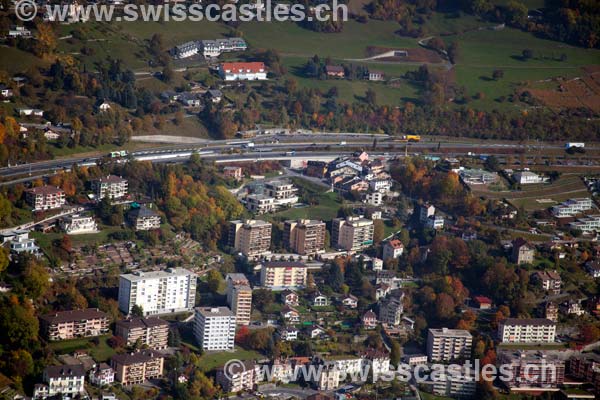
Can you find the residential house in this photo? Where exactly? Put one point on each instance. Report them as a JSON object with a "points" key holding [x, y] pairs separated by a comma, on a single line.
{"points": [[45, 197], [76, 224], [289, 297], [290, 315], [549, 280], [214, 95], [390, 310], [393, 249], [61, 380], [335, 71], [237, 173], [374, 75], [102, 375], [350, 301], [593, 269], [110, 186], [319, 300], [242, 71], [369, 320], [482, 302], [288, 333], [151, 332]]}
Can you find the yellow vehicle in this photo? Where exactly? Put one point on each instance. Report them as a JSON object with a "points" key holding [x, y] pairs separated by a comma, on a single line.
{"points": [[412, 138]]}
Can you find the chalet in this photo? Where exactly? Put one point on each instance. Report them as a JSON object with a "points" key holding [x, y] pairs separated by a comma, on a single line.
{"points": [[522, 252], [482, 302], [5, 91], [369, 320], [350, 301], [214, 95], [104, 106], [190, 99], [315, 331], [289, 297], [318, 300], [290, 315], [549, 280], [288, 333], [335, 71], [374, 75]]}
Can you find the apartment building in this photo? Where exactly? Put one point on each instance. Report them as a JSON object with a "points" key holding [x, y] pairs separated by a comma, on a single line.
{"points": [[250, 237], [136, 368], [243, 71], [72, 324], [158, 292], [459, 384], [214, 328], [235, 173], [239, 297], [352, 233], [283, 192], [304, 236], [587, 225], [151, 332], [76, 224], [281, 275], [527, 330], [111, 186], [572, 207], [393, 249], [259, 203], [425, 211], [391, 309], [45, 197], [586, 367], [61, 380], [549, 280], [448, 344], [532, 370], [144, 219], [243, 378], [522, 252]]}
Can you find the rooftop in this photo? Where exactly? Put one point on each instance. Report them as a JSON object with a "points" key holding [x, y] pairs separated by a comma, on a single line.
{"points": [[73, 315]]}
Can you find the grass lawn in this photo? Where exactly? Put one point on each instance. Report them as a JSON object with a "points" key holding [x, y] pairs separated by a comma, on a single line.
{"points": [[101, 352], [14, 60], [326, 209], [44, 240], [211, 361]]}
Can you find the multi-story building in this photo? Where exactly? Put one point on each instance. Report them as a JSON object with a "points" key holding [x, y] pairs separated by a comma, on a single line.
{"points": [[144, 219], [259, 203], [233, 172], [239, 297], [527, 178], [158, 292], [243, 71], [45, 197], [102, 375], [425, 211], [532, 370], [586, 366], [304, 236], [551, 311], [283, 275], [587, 224], [185, 50], [244, 378], [111, 186], [522, 252], [392, 249], [250, 237], [64, 325], [283, 192], [152, 332], [136, 368], [435, 222], [214, 328], [61, 380], [549, 280], [448, 344], [352, 233], [527, 330], [373, 198], [75, 224], [572, 207], [391, 309], [459, 384]]}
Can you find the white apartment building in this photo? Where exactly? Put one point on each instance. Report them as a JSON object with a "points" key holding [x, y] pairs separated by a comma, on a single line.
{"points": [[280, 275], [527, 178], [425, 211], [572, 207], [61, 380], [75, 224], [284, 193], [144, 219], [250, 237], [435, 222], [158, 292], [239, 297], [214, 328], [587, 224], [352, 233], [185, 50], [45, 197], [259, 203], [380, 185], [111, 186], [527, 330], [448, 344], [102, 375], [373, 198]]}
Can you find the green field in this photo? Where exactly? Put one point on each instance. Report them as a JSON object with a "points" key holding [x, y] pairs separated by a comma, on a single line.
{"points": [[101, 352]]}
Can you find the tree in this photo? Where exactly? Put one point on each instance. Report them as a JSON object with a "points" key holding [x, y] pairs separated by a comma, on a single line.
{"points": [[498, 74], [137, 310], [214, 280], [259, 339], [453, 52], [527, 54], [168, 74], [395, 353], [262, 298], [371, 97], [378, 231]]}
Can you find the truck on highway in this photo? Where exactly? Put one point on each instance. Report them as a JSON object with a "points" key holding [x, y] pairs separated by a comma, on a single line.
{"points": [[343, 143], [118, 154], [290, 153], [249, 145], [571, 145]]}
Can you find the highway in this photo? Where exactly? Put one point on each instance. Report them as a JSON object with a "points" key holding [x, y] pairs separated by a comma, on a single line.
{"points": [[277, 147]]}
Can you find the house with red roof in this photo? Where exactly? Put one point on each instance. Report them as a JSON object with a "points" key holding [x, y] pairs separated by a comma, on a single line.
{"points": [[243, 71]]}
